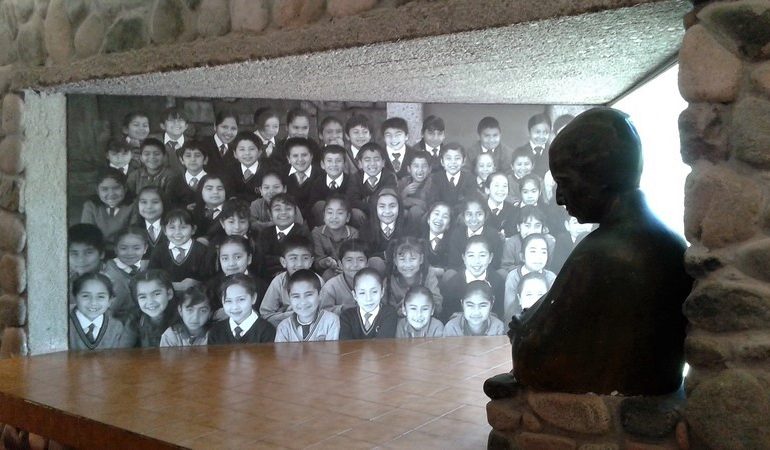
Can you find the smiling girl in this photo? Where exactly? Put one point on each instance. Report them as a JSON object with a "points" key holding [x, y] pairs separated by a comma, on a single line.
{"points": [[111, 213]]}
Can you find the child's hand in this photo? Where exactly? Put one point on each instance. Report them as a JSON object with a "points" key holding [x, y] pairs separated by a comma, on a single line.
{"points": [[191, 206], [185, 284], [411, 188]]}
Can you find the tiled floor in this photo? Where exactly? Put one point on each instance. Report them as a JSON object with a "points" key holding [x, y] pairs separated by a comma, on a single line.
{"points": [[416, 394]]}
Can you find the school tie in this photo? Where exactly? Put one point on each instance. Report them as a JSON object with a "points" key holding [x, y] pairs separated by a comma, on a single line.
{"points": [[90, 333], [388, 231], [434, 243], [452, 181], [222, 151], [333, 185], [496, 211], [301, 177], [193, 182], [110, 211], [372, 182], [209, 213], [179, 255], [171, 146], [132, 271], [435, 152], [281, 235], [368, 320], [539, 151], [247, 174], [269, 148], [151, 233], [191, 340], [238, 331], [396, 161]]}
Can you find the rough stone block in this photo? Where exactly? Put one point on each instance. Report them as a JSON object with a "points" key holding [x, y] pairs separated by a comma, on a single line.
{"points": [[750, 132], [214, 18], [580, 413], [649, 417], [58, 33], [530, 422], [13, 274], [729, 306], [251, 16], [126, 33], [752, 347], [499, 440], [342, 8], [14, 236], [90, 35], [29, 43], [632, 445], [13, 311], [503, 415], [14, 343], [7, 49], [703, 350], [599, 446], [707, 71], [167, 22], [10, 192], [536, 441], [682, 436], [23, 9], [743, 26], [41, 8], [731, 410], [761, 77], [753, 259], [76, 11], [13, 107], [723, 207], [503, 385], [700, 261], [295, 13], [10, 155], [701, 133]]}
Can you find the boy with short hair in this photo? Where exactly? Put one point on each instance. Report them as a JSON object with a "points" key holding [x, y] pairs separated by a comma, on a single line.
{"points": [[539, 129], [489, 133], [371, 318], [433, 135], [174, 125], [332, 181], [296, 254], [271, 184], [358, 132], [395, 133], [531, 220], [372, 178], [120, 157], [184, 259], [282, 212], [523, 161], [302, 172], [452, 185], [85, 249], [415, 188], [182, 187], [307, 322], [337, 293], [244, 326]]}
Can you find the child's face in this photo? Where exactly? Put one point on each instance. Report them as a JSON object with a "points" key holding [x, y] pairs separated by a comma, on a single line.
{"points": [[335, 215], [179, 232], [477, 258], [295, 259], [359, 135], [299, 127], [138, 128], [333, 164], [539, 134], [387, 208], [271, 186], [119, 158], [93, 300], [235, 225], [153, 297], [174, 127], [303, 298], [152, 157], [352, 262], [498, 188], [227, 129], [271, 127], [84, 258], [300, 158], [193, 160], [536, 255], [439, 218], [408, 264], [368, 293], [474, 216], [213, 192], [238, 302], [476, 309], [150, 206], [452, 161], [419, 169], [530, 225], [371, 163], [490, 138], [282, 214], [530, 193], [233, 258], [418, 310], [111, 193], [394, 137], [484, 166], [130, 249], [433, 138], [195, 316], [530, 291], [247, 152], [332, 134], [522, 165]]}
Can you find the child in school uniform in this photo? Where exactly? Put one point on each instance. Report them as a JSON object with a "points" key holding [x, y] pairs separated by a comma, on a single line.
{"points": [[130, 248], [271, 185], [337, 293], [243, 326], [174, 125], [436, 234], [531, 220], [234, 256], [539, 128], [415, 189], [407, 267], [452, 185], [535, 257], [154, 296], [184, 259], [502, 214], [372, 178], [191, 327], [433, 135], [182, 187], [489, 133], [298, 126], [267, 123], [482, 168], [474, 215], [282, 209], [332, 181], [307, 322], [136, 128], [476, 318], [219, 154], [371, 319], [386, 225], [296, 254], [331, 132], [120, 156], [302, 173], [358, 132], [529, 289], [110, 211], [234, 221], [395, 133], [90, 325], [242, 177], [153, 171], [418, 320], [85, 249], [149, 207], [210, 198], [328, 237], [522, 163]]}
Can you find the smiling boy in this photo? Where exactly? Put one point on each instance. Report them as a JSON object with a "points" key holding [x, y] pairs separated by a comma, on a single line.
{"points": [[307, 322]]}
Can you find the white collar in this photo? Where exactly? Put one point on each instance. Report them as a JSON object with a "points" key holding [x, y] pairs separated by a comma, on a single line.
{"points": [[219, 142], [286, 231], [330, 179], [434, 236], [533, 146], [123, 169], [85, 322], [179, 142], [186, 246], [469, 277], [456, 176], [430, 149], [188, 176], [391, 225], [401, 152], [253, 168], [155, 224], [247, 323], [125, 267], [493, 205], [307, 171], [373, 313], [271, 140], [377, 178], [474, 233], [354, 150], [486, 150]]}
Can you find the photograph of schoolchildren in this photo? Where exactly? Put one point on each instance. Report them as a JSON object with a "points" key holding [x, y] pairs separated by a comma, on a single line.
{"points": [[199, 221]]}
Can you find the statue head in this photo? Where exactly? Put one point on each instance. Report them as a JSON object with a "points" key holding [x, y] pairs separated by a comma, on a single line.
{"points": [[593, 159]]}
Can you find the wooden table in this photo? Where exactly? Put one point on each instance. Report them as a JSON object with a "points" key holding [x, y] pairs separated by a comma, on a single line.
{"points": [[418, 393]]}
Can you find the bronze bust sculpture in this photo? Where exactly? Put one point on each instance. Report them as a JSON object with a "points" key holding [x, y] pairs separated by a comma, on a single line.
{"points": [[612, 321]]}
